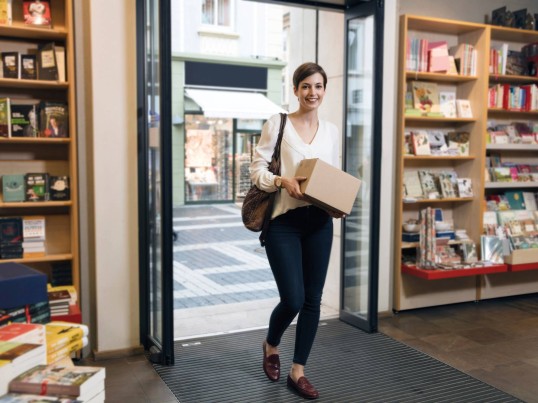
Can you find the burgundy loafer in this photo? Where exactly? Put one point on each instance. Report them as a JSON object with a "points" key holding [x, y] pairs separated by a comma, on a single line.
{"points": [[303, 388], [271, 365]]}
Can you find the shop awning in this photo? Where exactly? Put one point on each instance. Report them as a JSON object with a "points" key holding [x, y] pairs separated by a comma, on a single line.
{"points": [[232, 104]]}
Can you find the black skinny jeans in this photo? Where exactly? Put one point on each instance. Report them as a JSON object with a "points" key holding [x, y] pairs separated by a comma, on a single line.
{"points": [[298, 246]]}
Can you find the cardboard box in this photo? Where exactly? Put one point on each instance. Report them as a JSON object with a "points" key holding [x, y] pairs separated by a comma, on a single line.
{"points": [[522, 256], [328, 187], [21, 285]]}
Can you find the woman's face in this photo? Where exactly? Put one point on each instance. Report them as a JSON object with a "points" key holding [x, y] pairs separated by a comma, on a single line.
{"points": [[310, 92]]}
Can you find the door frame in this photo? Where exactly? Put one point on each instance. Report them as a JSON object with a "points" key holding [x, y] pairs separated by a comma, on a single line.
{"points": [[161, 351], [370, 322]]}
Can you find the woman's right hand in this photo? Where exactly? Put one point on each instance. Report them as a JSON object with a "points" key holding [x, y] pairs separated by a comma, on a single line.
{"points": [[293, 186]]}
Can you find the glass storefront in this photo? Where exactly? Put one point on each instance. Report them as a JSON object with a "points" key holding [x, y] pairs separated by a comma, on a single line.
{"points": [[208, 159], [218, 156]]}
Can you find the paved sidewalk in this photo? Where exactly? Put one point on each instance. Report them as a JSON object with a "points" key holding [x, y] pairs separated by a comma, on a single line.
{"points": [[216, 259]]}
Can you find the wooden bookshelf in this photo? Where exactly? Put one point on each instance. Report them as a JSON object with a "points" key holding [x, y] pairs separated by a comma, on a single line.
{"points": [[452, 286], [56, 156]]}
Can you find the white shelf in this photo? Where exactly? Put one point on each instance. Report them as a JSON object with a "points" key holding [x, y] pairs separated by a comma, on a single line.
{"points": [[516, 147], [510, 185]]}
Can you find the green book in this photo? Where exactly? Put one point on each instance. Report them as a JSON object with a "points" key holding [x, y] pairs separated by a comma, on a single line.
{"points": [[515, 200], [13, 187]]}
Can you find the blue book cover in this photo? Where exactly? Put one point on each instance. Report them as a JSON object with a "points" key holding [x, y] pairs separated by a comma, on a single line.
{"points": [[13, 188], [515, 200], [21, 285]]}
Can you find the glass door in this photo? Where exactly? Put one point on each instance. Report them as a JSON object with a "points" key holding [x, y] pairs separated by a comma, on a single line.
{"points": [[362, 158], [154, 170]]}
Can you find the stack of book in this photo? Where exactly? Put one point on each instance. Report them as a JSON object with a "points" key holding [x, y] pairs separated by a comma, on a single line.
{"points": [[16, 358], [33, 230], [83, 383], [64, 339], [32, 313], [59, 302]]}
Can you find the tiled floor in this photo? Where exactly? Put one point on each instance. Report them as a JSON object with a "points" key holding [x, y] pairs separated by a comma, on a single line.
{"points": [[222, 280], [223, 283], [495, 341]]}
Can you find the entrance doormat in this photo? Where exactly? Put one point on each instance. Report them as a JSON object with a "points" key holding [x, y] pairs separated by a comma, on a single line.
{"points": [[346, 365]]}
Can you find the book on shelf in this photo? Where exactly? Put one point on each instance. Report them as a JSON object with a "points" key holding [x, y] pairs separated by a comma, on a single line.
{"points": [[427, 181], [492, 249], [520, 17], [465, 56], [37, 187], [5, 115], [10, 64], [59, 300], [446, 184], [69, 288], [452, 67], [490, 222], [426, 97], [23, 120], [37, 12], [447, 104], [515, 200], [463, 108], [465, 187], [29, 67], [10, 241], [438, 57], [412, 186], [458, 143], [468, 252], [13, 188], [34, 236], [530, 200], [47, 67], [437, 142], [34, 228], [82, 382], [59, 189], [53, 119], [6, 16], [21, 285], [421, 142], [59, 53]]}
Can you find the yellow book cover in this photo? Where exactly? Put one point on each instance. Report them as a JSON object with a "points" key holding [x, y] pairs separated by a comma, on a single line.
{"points": [[60, 334], [66, 351], [5, 12], [69, 288]]}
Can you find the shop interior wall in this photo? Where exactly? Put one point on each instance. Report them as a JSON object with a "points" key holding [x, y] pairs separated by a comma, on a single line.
{"points": [[106, 83]]}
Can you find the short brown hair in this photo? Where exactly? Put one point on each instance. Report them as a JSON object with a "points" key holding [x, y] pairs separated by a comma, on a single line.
{"points": [[306, 70]]}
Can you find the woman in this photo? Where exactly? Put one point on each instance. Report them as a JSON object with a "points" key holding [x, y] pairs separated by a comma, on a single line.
{"points": [[299, 238]]}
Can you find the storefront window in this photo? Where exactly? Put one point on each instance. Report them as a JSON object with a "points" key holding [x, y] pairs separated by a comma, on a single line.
{"points": [[208, 159]]}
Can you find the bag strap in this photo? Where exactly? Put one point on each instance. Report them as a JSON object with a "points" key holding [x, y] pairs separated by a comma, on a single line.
{"points": [[275, 164]]}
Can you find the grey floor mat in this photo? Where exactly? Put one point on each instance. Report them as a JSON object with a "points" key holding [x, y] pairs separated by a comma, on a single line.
{"points": [[346, 365]]}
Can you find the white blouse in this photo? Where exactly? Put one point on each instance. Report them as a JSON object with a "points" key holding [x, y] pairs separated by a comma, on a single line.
{"points": [[292, 151]]}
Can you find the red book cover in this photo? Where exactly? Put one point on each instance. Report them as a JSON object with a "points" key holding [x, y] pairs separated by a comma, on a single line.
{"points": [[16, 330], [37, 12]]}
